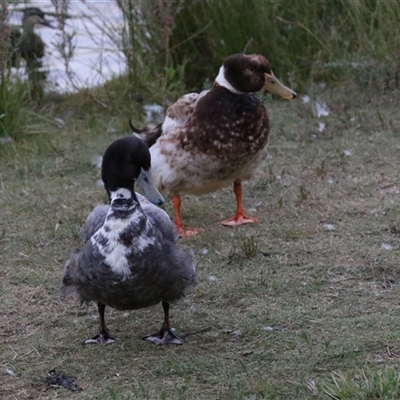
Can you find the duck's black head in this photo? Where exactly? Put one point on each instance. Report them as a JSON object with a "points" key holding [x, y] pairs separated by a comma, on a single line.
{"points": [[242, 73], [125, 161]]}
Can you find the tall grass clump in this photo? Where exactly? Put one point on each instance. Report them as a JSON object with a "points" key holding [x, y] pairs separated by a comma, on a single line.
{"points": [[12, 96], [305, 40], [12, 92], [145, 40], [172, 46], [368, 385]]}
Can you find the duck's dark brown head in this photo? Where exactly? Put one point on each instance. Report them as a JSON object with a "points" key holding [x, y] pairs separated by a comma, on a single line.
{"points": [[244, 73]]}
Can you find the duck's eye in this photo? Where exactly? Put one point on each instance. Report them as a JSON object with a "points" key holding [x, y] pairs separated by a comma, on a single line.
{"points": [[251, 69]]}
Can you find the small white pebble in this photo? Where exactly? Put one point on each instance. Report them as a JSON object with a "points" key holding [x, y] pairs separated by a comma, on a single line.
{"points": [[204, 251], [321, 126], [268, 328], [212, 278], [348, 153], [379, 359], [10, 372], [110, 129], [386, 246], [312, 384], [328, 227], [6, 139], [60, 123], [305, 99], [330, 181], [154, 112], [96, 161], [320, 109]]}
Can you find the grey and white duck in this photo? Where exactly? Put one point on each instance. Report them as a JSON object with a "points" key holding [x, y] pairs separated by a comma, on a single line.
{"points": [[212, 139], [129, 258]]}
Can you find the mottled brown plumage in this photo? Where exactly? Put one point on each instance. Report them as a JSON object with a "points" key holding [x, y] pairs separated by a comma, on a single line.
{"points": [[218, 137]]}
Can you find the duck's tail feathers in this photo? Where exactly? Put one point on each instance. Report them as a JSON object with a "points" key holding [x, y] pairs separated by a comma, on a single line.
{"points": [[191, 273], [149, 134]]}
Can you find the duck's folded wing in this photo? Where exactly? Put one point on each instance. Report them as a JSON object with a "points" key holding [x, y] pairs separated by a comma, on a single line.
{"points": [[94, 222], [183, 108], [159, 219]]}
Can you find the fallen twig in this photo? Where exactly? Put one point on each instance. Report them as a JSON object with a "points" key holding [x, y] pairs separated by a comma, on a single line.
{"points": [[201, 330]]}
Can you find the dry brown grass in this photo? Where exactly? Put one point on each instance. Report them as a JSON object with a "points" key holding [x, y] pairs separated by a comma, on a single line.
{"points": [[307, 291]]}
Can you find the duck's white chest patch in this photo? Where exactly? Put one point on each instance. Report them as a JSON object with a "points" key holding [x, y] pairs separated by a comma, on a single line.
{"points": [[120, 240]]}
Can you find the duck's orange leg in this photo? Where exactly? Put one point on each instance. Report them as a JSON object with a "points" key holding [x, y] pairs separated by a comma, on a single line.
{"points": [[239, 218], [176, 203]]}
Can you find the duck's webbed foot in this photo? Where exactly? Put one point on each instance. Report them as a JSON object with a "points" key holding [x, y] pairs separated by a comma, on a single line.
{"points": [[188, 232], [238, 220], [103, 337], [164, 336]]}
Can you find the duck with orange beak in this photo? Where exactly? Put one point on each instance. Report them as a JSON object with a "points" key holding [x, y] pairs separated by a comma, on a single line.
{"points": [[216, 138]]}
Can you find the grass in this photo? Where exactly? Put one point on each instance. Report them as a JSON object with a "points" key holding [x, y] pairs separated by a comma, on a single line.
{"points": [[304, 39], [368, 385], [13, 96], [302, 305]]}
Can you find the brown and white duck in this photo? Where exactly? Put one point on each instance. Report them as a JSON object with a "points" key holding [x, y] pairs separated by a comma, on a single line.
{"points": [[212, 139], [129, 258]]}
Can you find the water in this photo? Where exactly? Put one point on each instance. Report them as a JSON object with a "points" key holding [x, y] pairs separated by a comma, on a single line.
{"points": [[96, 28]]}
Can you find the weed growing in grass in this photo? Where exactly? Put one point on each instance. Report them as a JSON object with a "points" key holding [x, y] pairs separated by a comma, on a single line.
{"points": [[13, 96], [249, 246], [303, 195], [367, 385]]}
